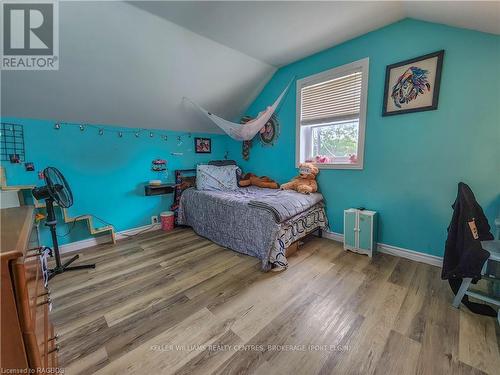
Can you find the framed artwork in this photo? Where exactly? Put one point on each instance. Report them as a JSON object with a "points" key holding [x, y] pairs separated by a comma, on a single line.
{"points": [[413, 85], [203, 145], [30, 167]]}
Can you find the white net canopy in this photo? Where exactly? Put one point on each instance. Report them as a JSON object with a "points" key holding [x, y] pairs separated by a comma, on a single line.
{"points": [[247, 131]]}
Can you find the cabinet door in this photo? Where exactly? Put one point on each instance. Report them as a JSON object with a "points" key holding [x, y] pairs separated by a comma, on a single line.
{"points": [[350, 229], [365, 232]]}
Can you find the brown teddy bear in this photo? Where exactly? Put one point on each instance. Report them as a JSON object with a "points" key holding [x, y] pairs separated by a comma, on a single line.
{"points": [[305, 182], [263, 181]]}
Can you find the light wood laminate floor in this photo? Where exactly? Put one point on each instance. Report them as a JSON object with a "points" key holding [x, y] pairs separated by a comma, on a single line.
{"points": [[177, 303]]}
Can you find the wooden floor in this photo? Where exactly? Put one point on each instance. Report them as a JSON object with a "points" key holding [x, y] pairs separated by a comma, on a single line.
{"points": [[177, 303]]}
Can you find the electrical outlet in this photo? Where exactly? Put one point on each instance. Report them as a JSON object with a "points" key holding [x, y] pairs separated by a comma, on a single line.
{"points": [[154, 219]]}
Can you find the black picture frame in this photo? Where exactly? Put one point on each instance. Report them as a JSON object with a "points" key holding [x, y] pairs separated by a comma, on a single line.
{"points": [[435, 89], [203, 145]]}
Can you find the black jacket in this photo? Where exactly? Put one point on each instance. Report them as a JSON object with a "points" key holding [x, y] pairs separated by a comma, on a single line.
{"points": [[463, 255]]}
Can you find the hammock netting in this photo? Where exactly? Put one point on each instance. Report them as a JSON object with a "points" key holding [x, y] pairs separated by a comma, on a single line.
{"points": [[244, 132]]}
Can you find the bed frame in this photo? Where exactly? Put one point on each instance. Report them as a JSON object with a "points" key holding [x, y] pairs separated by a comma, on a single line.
{"points": [[294, 246]]}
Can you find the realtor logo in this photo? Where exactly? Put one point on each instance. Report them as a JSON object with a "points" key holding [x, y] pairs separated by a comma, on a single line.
{"points": [[30, 35]]}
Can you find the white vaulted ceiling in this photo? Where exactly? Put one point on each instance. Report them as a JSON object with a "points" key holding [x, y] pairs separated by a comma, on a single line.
{"points": [[280, 32], [131, 63]]}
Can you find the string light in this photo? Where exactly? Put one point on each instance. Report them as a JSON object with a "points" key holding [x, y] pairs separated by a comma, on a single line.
{"points": [[120, 133]]}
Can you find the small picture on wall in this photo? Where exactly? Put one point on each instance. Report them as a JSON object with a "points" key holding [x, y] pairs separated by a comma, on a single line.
{"points": [[29, 166], [14, 158], [413, 85], [203, 145]]}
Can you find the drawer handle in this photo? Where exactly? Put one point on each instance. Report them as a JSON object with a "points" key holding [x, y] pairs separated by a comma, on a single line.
{"points": [[55, 337], [48, 300], [56, 349], [46, 293]]}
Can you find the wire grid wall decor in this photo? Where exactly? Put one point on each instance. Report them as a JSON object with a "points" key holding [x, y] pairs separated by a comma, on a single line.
{"points": [[12, 142]]}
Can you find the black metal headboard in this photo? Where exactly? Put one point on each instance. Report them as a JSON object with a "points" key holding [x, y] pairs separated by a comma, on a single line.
{"points": [[221, 163]]}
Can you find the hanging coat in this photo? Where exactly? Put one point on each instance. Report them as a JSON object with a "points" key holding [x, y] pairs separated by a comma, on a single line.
{"points": [[463, 255]]}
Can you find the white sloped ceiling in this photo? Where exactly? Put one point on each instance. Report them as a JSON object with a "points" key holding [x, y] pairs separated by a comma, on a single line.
{"points": [[280, 32], [121, 65]]}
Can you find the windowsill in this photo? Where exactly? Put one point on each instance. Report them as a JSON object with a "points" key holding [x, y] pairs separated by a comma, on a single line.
{"points": [[337, 166]]}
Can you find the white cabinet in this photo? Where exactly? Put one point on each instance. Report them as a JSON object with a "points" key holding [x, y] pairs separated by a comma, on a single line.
{"points": [[360, 229]]}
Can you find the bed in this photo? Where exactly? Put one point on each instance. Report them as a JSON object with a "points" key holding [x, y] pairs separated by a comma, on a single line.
{"points": [[259, 222]]}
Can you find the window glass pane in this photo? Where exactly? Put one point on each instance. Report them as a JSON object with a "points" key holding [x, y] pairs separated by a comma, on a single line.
{"points": [[335, 142]]}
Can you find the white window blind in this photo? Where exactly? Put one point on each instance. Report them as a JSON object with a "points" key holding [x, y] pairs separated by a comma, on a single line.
{"points": [[337, 99]]}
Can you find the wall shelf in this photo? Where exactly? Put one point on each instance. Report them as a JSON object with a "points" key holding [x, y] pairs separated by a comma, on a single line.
{"points": [[158, 189]]}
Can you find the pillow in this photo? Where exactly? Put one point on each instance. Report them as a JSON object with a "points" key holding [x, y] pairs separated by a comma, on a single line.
{"points": [[211, 177], [221, 163]]}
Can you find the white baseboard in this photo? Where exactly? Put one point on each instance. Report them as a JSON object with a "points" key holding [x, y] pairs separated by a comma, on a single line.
{"points": [[394, 250], [89, 242], [130, 232], [333, 236]]}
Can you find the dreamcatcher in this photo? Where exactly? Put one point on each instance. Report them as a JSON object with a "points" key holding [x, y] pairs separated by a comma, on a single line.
{"points": [[267, 135], [270, 132]]}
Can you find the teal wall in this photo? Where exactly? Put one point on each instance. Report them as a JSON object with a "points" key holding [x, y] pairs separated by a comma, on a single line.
{"points": [[106, 173], [413, 162]]}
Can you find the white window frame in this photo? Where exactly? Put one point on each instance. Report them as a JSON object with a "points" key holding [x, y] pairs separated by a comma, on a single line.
{"points": [[327, 75]]}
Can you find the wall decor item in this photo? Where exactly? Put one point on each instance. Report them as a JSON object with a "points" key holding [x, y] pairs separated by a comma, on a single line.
{"points": [[15, 158], [101, 130], [12, 139], [270, 132], [246, 145], [30, 167], [203, 145], [159, 167], [413, 85]]}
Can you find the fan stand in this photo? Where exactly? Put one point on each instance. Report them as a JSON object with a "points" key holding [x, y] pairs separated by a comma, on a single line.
{"points": [[51, 223]]}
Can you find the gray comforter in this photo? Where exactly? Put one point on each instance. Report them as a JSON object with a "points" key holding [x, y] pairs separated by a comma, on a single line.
{"points": [[283, 204], [246, 220]]}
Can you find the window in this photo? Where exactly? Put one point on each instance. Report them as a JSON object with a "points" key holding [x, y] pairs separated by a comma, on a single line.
{"points": [[331, 113]]}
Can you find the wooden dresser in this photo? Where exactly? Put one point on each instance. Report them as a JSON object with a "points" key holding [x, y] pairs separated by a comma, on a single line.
{"points": [[27, 335]]}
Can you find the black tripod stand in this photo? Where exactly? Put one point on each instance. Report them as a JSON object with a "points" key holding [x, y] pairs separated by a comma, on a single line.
{"points": [[51, 223], [57, 191]]}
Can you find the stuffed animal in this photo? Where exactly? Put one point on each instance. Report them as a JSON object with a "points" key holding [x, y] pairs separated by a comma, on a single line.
{"points": [[263, 181], [305, 182]]}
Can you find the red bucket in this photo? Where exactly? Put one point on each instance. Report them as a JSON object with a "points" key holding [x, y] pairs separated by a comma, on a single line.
{"points": [[167, 221]]}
